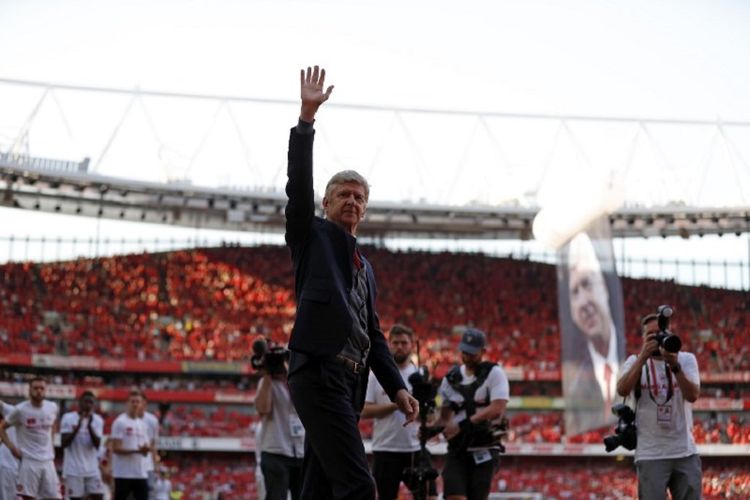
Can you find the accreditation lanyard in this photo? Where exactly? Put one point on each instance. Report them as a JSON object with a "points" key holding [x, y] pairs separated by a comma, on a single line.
{"points": [[653, 393]]}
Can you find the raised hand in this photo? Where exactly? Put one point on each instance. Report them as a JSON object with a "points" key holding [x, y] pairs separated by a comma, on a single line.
{"points": [[312, 82]]}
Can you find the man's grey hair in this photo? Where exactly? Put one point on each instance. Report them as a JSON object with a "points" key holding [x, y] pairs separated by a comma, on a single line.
{"points": [[348, 176]]}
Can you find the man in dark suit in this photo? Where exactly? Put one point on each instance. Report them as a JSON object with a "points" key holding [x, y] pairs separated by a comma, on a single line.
{"points": [[593, 342], [336, 337]]}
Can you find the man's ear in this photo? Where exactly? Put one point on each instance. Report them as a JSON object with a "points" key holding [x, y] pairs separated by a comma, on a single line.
{"points": [[324, 203]]}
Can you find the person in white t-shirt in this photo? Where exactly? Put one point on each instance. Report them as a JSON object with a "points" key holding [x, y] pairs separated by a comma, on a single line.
{"points": [[665, 386], [34, 421], [162, 485], [395, 447], [281, 436], [8, 463], [130, 445], [81, 435], [474, 397], [152, 428]]}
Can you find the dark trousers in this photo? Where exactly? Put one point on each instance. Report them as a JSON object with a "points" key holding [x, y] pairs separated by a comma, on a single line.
{"points": [[388, 471], [326, 396], [463, 476], [124, 487], [281, 474]]}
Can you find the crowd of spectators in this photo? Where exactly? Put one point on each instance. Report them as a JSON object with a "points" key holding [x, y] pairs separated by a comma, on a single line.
{"points": [[549, 427], [210, 304], [553, 479], [603, 481], [221, 477]]}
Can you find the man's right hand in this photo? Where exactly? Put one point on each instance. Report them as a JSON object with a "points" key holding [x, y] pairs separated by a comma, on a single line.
{"points": [[16, 453], [650, 346], [311, 92]]}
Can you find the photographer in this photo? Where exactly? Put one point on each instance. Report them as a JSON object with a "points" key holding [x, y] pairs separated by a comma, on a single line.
{"points": [[474, 396], [664, 384], [395, 446], [281, 437]]}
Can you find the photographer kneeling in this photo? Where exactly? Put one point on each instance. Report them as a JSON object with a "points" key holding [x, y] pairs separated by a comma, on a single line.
{"points": [[281, 439], [474, 396], [665, 382]]}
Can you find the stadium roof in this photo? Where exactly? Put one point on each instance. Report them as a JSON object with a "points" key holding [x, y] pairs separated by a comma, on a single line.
{"points": [[68, 188], [216, 162]]}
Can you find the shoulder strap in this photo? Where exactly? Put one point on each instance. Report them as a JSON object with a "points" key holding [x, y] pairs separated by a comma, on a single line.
{"points": [[469, 390]]}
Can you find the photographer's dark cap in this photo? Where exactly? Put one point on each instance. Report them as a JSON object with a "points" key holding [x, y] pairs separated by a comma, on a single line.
{"points": [[473, 341]]}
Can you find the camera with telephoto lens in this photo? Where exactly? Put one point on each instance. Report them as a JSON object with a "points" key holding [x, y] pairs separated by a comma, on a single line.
{"points": [[626, 434], [666, 339], [269, 357]]}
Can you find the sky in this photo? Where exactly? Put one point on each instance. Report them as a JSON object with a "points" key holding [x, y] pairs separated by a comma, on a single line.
{"points": [[646, 59]]}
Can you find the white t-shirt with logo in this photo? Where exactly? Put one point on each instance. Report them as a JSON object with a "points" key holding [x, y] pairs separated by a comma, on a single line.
{"points": [[34, 429], [495, 387], [133, 435], [389, 433], [665, 433], [81, 457], [152, 429], [7, 460]]}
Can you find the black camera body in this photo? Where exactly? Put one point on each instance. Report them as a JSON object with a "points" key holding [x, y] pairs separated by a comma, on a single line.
{"points": [[666, 339], [626, 433], [268, 357], [423, 390], [421, 473]]}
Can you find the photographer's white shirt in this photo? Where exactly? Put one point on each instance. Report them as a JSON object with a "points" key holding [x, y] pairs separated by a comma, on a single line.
{"points": [[673, 437], [389, 433], [80, 458], [281, 432]]}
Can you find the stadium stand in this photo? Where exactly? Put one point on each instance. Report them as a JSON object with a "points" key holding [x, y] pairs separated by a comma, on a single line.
{"points": [[211, 304], [181, 324]]}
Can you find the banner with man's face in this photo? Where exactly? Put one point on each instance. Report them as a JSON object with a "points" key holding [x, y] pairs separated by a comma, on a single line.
{"points": [[592, 328]]}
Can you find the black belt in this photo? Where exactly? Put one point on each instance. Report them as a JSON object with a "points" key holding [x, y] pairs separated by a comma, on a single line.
{"points": [[350, 364]]}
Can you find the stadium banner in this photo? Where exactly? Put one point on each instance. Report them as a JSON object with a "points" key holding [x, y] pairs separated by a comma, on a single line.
{"points": [[182, 443], [592, 327], [20, 390], [217, 368], [125, 365]]}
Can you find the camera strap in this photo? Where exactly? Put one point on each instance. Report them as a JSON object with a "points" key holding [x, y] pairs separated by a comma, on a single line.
{"points": [[670, 385]]}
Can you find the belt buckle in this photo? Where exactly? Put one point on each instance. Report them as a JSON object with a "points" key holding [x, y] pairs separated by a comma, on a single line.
{"points": [[355, 366]]}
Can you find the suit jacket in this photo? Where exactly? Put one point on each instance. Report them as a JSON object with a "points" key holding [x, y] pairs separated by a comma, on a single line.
{"points": [[584, 404], [323, 258]]}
